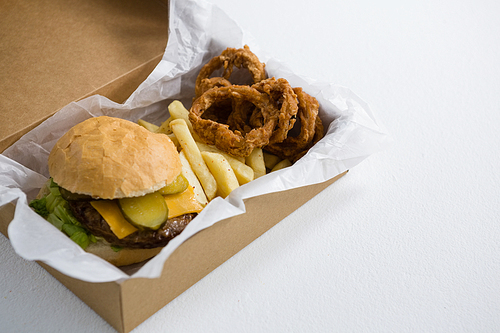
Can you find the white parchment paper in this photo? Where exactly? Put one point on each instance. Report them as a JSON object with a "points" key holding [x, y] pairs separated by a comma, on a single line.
{"points": [[198, 31]]}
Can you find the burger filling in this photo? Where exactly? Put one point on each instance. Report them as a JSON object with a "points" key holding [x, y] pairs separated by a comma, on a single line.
{"points": [[144, 222], [145, 238]]}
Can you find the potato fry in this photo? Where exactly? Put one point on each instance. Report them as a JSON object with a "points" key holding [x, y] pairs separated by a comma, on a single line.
{"points": [[178, 111], [222, 171], [174, 140], [256, 161], [270, 160], [213, 149], [193, 154], [159, 129], [282, 164], [243, 172], [188, 172], [147, 125], [165, 127]]}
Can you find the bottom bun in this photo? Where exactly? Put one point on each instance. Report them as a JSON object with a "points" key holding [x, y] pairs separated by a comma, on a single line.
{"points": [[124, 257]]}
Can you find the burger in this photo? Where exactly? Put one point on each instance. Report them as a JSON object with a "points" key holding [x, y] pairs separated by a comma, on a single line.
{"points": [[117, 190]]}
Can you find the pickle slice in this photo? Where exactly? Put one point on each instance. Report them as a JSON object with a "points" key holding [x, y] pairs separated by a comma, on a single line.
{"points": [[149, 211], [180, 184]]}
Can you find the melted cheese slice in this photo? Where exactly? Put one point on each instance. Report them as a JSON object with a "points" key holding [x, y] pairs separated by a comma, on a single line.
{"points": [[110, 212], [183, 203]]}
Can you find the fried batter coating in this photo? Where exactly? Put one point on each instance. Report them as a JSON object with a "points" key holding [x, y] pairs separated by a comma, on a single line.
{"points": [[206, 84], [311, 129], [241, 58], [285, 99], [219, 134]]}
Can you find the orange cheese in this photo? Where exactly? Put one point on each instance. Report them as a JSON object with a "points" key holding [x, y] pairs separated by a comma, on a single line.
{"points": [[182, 203], [110, 212]]}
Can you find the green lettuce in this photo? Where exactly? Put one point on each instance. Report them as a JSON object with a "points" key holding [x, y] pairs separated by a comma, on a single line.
{"points": [[56, 210], [40, 206]]}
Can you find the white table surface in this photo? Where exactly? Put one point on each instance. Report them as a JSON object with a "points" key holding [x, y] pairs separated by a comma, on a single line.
{"points": [[408, 241]]}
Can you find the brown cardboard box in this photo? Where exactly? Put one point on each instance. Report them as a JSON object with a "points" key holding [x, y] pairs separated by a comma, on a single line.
{"points": [[54, 52]]}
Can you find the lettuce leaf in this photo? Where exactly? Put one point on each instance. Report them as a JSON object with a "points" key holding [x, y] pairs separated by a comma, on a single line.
{"points": [[40, 206], [56, 210]]}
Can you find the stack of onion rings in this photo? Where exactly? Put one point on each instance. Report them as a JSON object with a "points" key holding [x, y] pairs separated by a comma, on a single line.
{"points": [[240, 118]]}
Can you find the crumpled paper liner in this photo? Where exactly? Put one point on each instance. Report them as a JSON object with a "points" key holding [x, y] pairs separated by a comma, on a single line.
{"points": [[198, 31]]}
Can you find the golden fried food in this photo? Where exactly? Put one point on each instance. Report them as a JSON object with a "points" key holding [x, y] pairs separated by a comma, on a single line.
{"points": [[285, 99], [208, 83], [219, 134], [241, 58], [240, 118], [311, 129]]}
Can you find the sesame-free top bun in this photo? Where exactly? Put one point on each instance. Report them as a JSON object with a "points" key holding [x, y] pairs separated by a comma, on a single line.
{"points": [[112, 158]]}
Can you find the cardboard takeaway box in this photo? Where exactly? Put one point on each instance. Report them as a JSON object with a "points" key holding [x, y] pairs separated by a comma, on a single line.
{"points": [[55, 52]]}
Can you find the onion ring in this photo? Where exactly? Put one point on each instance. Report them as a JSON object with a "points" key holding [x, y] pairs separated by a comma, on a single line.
{"points": [[227, 59], [285, 99], [311, 129], [244, 117], [206, 84], [219, 134]]}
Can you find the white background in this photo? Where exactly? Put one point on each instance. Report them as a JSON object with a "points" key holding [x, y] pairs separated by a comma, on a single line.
{"points": [[408, 241]]}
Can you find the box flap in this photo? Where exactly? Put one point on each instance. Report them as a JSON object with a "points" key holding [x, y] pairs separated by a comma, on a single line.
{"points": [[54, 52]]}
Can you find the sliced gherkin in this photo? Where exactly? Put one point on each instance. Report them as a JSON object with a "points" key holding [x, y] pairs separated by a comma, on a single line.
{"points": [[149, 211], [180, 184]]}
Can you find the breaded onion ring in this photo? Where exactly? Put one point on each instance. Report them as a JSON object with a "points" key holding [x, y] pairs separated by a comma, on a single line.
{"points": [[311, 129], [206, 84], [227, 59], [219, 134], [245, 116], [282, 94]]}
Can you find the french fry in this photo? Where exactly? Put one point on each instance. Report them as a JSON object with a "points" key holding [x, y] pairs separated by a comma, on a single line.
{"points": [[213, 149], [159, 129], [256, 161], [222, 171], [165, 127], [188, 172], [282, 164], [174, 139], [270, 160], [193, 155], [178, 111], [243, 172], [147, 125]]}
